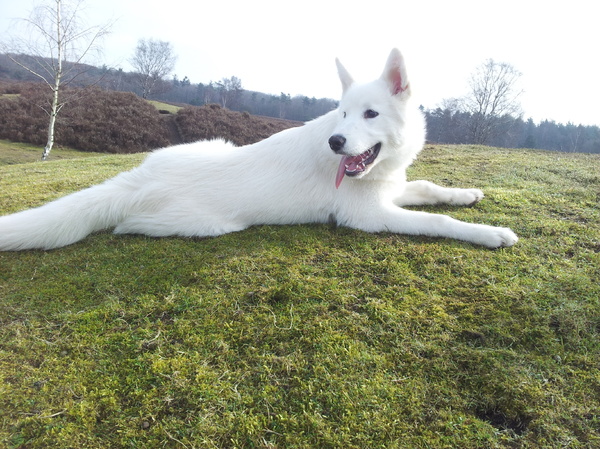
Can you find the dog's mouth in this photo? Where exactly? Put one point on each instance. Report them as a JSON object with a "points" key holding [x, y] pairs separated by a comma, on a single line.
{"points": [[355, 165]]}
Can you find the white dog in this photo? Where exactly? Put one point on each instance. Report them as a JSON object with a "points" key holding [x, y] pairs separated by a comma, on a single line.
{"points": [[211, 188]]}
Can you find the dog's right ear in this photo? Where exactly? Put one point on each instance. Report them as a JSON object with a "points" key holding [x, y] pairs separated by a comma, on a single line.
{"points": [[394, 74], [345, 77]]}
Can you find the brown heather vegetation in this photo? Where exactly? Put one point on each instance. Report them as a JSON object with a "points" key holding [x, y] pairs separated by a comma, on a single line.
{"points": [[93, 120], [119, 122], [213, 121]]}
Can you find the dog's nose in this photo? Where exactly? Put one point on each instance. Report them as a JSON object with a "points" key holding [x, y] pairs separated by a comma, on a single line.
{"points": [[336, 142]]}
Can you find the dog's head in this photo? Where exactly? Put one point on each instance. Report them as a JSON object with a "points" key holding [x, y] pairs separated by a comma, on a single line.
{"points": [[371, 117]]}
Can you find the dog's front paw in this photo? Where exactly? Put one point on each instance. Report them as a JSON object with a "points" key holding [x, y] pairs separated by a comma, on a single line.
{"points": [[501, 237], [466, 197]]}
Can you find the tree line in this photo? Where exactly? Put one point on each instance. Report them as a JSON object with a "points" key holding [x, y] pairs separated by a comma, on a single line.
{"points": [[455, 127], [229, 93]]}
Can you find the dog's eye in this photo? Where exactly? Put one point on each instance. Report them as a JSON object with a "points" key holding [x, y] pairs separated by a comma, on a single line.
{"points": [[370, 113], [344, 115]]}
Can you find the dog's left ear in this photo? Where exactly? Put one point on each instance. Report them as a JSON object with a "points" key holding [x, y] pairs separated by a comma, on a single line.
{"points": [[344, 75], [395, 75]]}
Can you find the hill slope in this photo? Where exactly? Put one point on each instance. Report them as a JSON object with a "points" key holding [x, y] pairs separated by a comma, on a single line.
{"points": [[307, 336]]}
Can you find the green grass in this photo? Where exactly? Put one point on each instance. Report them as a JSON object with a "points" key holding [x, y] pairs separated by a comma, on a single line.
{"points": [[308, 336], [18, 153], [165, 106]]}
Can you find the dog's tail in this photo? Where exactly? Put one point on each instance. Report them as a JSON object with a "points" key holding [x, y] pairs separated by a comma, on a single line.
{"points": [[68, 219]]}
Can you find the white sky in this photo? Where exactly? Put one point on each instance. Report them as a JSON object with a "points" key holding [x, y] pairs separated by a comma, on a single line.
{"points": [[277, 46]]}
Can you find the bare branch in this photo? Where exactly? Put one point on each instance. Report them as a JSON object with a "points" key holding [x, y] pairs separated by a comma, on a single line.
{"points": [[23, 66]]}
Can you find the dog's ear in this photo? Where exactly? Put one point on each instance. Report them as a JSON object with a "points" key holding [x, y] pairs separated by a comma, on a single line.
{"points": [[345, 77], [395, 75]]}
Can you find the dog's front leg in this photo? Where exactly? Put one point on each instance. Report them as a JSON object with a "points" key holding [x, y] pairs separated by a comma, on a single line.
{"points": [[420, 193], [403, 221]]}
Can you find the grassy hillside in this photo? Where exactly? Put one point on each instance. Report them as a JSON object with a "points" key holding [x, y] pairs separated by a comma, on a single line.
{"points": [[308, 336]]}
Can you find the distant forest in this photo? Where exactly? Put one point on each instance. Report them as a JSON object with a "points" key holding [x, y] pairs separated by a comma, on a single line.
{"points": [[443, 125]]}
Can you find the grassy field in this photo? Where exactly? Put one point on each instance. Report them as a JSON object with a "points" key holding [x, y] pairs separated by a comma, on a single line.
{"points": [[164, 106], [309, 336], [18, 153]]}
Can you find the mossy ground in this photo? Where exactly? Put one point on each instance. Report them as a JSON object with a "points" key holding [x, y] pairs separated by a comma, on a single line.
{"points": [[309, 336]]}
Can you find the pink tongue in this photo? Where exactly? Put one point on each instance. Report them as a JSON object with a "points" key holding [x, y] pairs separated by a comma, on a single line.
{"points": [[341, 170]]}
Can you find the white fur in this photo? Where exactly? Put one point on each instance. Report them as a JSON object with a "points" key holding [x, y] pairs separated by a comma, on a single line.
{"points": [[210, 188]]}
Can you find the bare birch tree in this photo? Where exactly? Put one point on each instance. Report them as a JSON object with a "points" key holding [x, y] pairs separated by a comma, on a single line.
{"points": [[153, 60], [56, 45]]}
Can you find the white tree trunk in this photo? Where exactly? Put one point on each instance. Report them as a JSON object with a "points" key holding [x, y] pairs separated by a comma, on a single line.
{"points": [[54, 108], [53, 113]]}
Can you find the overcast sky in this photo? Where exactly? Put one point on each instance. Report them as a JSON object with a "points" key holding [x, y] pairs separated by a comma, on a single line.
{"points": [[277, 46]]}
